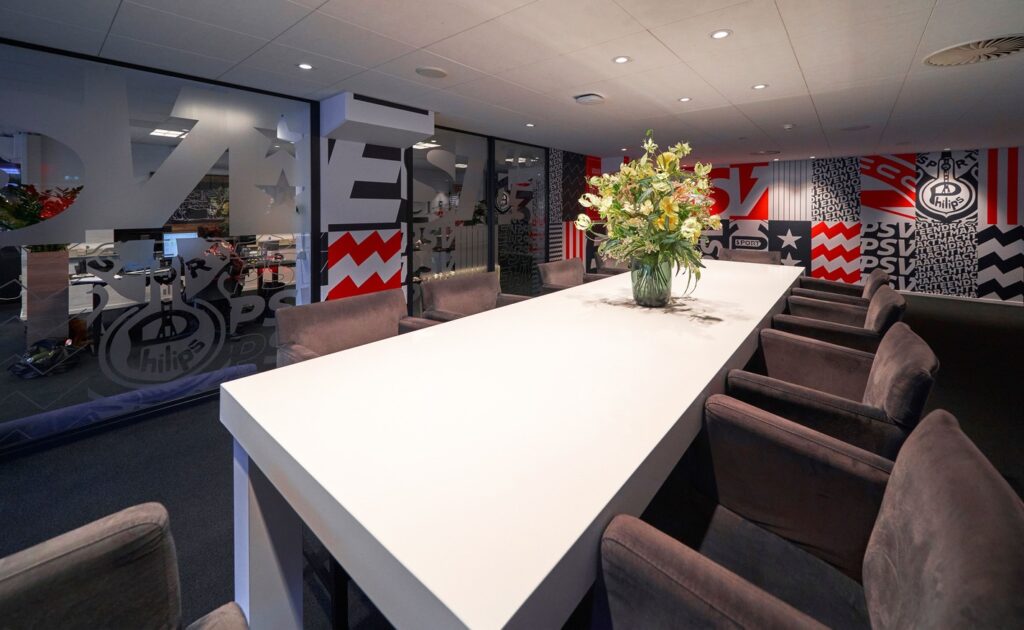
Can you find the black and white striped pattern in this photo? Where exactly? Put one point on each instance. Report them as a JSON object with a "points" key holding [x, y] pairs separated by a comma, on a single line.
{"points": [[790, 191], [1001, 263]]}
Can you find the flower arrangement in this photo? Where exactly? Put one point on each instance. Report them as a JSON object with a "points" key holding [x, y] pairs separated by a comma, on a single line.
{"points": [[653, 213], [21, 206]]}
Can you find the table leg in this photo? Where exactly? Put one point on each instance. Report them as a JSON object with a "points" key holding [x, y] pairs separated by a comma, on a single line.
{"points": [[268, 550]]}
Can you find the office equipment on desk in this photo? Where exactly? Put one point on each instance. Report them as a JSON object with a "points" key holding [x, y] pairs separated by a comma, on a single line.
{"points": [[171, 242], [136, 255]]}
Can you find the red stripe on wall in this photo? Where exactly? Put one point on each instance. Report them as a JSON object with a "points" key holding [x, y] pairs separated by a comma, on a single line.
{"points": [[1012, 172], [993, 186]]}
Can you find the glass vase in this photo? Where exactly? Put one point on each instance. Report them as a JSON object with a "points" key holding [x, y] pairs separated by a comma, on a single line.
{"points": [[652, 282]]}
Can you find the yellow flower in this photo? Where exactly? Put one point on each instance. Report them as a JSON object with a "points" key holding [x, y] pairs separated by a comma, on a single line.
{"points": [[715, 222], [667, 160], [667, 221], [668, 205], [646, 208]]}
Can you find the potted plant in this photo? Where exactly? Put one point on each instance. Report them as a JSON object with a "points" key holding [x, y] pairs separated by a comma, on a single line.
{"points": [[653, 213], [46, 291]]}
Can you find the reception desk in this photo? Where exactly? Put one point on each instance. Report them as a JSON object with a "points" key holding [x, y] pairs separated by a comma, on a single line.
{"points": [[477, 498]]}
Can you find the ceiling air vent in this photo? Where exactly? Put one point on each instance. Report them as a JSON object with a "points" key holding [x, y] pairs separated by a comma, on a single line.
{"points": [[976, 52], [589, 99]]}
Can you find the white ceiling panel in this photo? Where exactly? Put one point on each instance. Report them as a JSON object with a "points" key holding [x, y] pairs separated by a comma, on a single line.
{"points": [[87, 14], [255, 77], [265, 19], [652, 13], [39, 30], [163, 58], [405, 67], [805, 19], [331, 37], [284, 60], [734, 74], [174, 31], [755, 24], [418, 22]]}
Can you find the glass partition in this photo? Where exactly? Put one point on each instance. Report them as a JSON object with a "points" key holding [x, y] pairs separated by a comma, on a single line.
{"points": [[149, 227], [520, 208]]}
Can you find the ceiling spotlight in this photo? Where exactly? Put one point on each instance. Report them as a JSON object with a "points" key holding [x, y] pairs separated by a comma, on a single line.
{"points": [[812, 157], [685, 99], [721, 34], [622, 59], [529, 124], [625, 149], [305, 66], [432, 72], [788, 126], [425, 145], [946, 149], [461, 165], [759, 86], [775, 159]]}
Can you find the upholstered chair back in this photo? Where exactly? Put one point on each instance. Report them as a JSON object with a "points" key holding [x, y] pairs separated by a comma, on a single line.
{"points": [[566, 273], [876, 279], [117, 572], [467, 294], [901, 375], [885, 309], [610, 265], [750, 256], [337, 325], [946, 550]]}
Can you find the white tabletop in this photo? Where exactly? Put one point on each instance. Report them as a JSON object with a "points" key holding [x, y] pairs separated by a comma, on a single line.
{"points": [[451, 496]]}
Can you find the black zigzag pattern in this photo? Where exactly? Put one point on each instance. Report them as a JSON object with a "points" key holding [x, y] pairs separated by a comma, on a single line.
{"points": [[1001, 262]]}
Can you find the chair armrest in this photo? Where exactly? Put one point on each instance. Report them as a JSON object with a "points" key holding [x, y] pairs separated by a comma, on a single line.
{"points": [[853, 422], [814, 490], [838, 298], [552, 288], [594, 276], [816, 364], [441, 316], [409, 324], [827, 311], [504, 299], [855, 337], [831, 286], [654, 581], [294, 353], [227, 617]]}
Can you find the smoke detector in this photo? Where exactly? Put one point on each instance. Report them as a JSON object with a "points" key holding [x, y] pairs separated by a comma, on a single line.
{"points": [[589, 98], [432, 72], [977, 51]]}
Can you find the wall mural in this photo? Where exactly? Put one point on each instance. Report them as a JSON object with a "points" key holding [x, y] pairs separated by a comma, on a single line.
{"points": [[363, 219], [946, 222]]}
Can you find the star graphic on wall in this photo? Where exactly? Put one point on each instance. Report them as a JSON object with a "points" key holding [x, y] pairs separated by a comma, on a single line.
{"points": [[789, 239], [281, 192], [789, 260]]}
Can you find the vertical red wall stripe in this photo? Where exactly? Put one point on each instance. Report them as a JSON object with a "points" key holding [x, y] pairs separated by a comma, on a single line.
{"points": [[993, 186], [1012, 176]]}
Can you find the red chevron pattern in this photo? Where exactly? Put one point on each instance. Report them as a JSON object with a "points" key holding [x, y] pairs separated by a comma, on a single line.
{"points": [[835, 251], [888, 187], [347, 245], [347, 287]]}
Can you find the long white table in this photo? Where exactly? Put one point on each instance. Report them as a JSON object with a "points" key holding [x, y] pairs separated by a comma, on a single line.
{"points": [[476, 497]]}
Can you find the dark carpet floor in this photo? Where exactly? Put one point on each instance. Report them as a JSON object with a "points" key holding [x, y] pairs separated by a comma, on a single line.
{"points": [[183, 459]]}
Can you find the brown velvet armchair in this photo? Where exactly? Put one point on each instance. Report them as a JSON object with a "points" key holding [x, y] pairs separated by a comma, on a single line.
{"points": [[117, 572], [872, 401], [465, 294], [840, 291], [313, 330], [563, 274], [750, 256], [811, 532], [843, 324]]}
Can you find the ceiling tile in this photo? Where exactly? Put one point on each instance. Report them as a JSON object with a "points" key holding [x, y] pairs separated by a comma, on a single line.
{"points": [[273, 81], [163, 58], [284, 60], [957, 21], [265, 19], [734, 74], [652, 13], [331, 37], [174, 31], [754, 24], [38, 30], [805, 19], [860, 104], [86, 14], [405, 68], [417, 22], [385, 86]]}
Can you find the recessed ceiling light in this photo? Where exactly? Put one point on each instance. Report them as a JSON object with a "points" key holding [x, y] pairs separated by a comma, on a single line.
{"points": [[766, 152], [685, 99], [788, 126], [425, 145], [622, 59], [721, 34], [775, 159], [812, 157], [759, 86], [947, 149], [461, 165], [529, 124], [625, 149], [305, 66], [166, 133], [432, 72]]}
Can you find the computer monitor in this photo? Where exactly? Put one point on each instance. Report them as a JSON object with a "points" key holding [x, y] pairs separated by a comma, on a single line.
{"points": [[135, 255], [171, 242]]}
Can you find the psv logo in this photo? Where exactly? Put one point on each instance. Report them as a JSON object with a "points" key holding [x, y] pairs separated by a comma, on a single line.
{"points": [[947, 188]]}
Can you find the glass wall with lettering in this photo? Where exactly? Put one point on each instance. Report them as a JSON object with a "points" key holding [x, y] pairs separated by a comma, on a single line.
{"points": [[149, 227], [520, 211], [449, 210]]}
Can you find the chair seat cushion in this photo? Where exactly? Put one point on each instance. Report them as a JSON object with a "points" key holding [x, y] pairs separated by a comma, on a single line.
{"points": [[782, 569]]}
